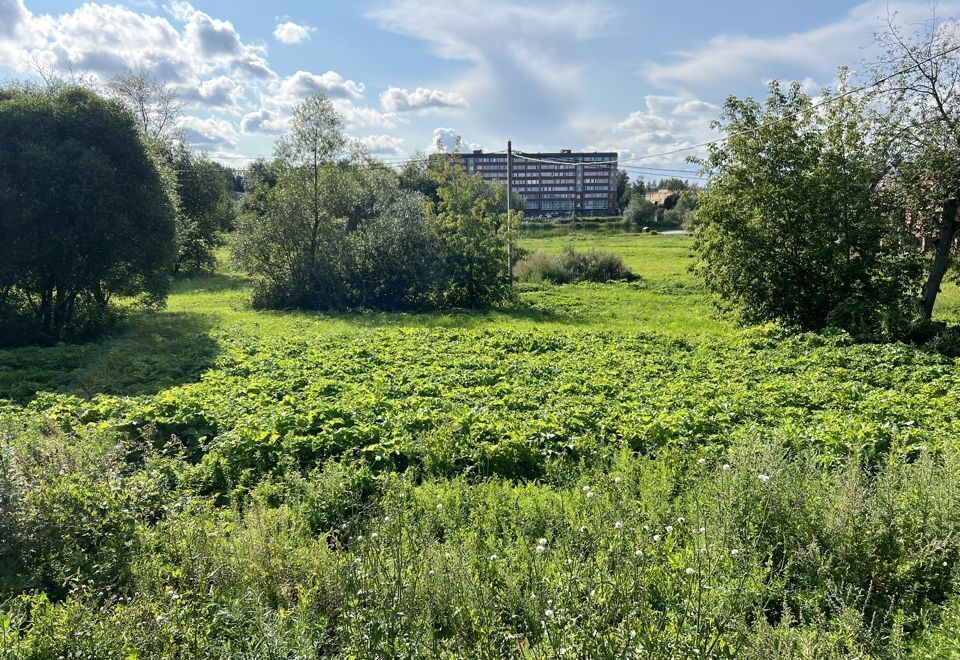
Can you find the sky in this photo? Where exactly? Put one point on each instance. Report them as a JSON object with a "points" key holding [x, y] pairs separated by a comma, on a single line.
{"points": [[640, 78]]}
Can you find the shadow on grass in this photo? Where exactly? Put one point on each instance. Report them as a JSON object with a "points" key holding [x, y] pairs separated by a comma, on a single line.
{"points": [[148, 353], [457, 318]]}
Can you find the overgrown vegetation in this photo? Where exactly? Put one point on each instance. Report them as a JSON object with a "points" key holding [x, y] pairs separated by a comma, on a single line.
{"points": [[572, 266], [321, 497]]}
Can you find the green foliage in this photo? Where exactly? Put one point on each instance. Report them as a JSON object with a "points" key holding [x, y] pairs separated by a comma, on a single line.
{"points": [[330, 229], [474, 484], [572, 266], [470, 223], [640, 211], [683, 213], [793, 229], [85, 215], [206, 208]]}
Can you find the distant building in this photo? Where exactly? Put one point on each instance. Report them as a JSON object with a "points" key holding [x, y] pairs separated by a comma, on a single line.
{"points": [[662, 197], [568, 182]]}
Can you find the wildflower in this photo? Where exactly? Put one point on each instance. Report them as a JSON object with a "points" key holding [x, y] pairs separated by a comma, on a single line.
{"points": [[656, 538], [541, 549], [633, 634], [357, 560], [377, 458], [703, 530], [493, 558], [734, 552], [548, 613], [583, 529], [373, 535], [638, 553], [669, 528], [586, 489], [646, 528], [439, 506], [618, 525], [617, 480], [542, 541], [764, 478], [681, 520], [726, 466], [689, 571], [701, 461], [590, 494]]}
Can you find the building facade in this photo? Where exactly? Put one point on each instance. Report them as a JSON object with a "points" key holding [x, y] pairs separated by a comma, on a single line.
{"points": [[554, 184]]}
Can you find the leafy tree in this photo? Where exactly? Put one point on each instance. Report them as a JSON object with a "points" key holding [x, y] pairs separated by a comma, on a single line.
{"points": [[918, 76], [624, 190], [416, 175], [792, 227], [640, 211], [85, 213], [205, 208], [471, 224], [682, 212]]}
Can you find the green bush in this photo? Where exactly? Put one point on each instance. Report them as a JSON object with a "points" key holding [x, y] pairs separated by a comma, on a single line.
{"points": [[572, 266]]}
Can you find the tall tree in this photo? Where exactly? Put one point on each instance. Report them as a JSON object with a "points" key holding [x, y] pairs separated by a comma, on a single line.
{"points": [[918, 76]]}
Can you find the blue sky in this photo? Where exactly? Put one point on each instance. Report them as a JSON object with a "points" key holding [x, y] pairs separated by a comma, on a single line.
{"points": [[634, 77]]}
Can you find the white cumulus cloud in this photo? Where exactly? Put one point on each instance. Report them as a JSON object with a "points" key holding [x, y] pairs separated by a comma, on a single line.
{"points": [[289, 32]]}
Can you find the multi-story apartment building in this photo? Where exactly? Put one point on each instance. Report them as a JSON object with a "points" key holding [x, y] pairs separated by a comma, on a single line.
{"points": [[559, 183]]}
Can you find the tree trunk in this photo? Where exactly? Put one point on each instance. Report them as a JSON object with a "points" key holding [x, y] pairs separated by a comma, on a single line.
{"points": [[941, 258]]}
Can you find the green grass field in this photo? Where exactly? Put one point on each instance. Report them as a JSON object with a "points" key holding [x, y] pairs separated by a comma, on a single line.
{"points": [[606, 471]]}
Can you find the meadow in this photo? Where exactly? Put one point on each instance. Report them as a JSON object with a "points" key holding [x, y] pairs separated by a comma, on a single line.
{"points": [[597, 470]]}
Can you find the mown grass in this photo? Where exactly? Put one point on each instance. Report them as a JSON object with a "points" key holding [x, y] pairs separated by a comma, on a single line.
{"points": [[602, 470]]}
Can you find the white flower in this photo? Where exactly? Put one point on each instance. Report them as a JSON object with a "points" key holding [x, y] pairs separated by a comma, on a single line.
{"points": [[633, 633], [669, 528], [590, 494], [764, 478], [439, 506], [656, 538], [583, 529], [617, 480], [493, 558], [701, 461], [689, 571], [734, 552], [541, 549], [586, 489], [618, 525], [638, 553], [726, 466], [681, 520], [703, 530], [548, 613], [542, 541]]}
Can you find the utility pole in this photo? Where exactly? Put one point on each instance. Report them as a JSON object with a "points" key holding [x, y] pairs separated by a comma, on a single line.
{"points": [[509, 210]]}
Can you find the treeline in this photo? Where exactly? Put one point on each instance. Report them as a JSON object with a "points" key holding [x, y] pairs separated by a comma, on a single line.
{"points": [[102, 200], [677, 210]]}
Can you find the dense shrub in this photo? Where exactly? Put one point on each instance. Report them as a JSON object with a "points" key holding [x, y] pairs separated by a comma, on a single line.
{"points": [[573, 266], [86, 216]]}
